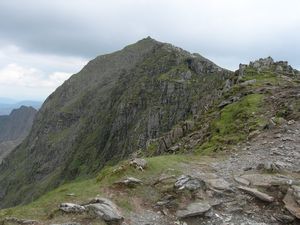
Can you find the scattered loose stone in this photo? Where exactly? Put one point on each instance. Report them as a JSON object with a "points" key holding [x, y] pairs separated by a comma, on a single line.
{"points": [[269, 167], [248, 82], [296, 193], [242, 181], [189, 183], [290, 122], [287, 139], [194, 209], [267, 180], [129, 182], [286, 219], [219, 184], [277, 136], [164, 178], [71, 194], [71, 208], [139, 163], [68, 223], [291, 204], [166, 200], [106, 210], [174, 148], [254, 192], [19, 221], [247, 168]]}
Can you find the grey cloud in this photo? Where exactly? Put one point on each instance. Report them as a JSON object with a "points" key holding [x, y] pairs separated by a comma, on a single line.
{"points": [[226, 31]]}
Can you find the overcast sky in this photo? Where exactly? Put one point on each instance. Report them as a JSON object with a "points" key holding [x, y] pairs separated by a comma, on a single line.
{"points": [[43, 42]]}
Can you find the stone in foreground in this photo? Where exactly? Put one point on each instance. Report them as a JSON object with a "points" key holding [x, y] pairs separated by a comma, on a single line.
{"points": [[106, 210], [71, 208], [194, 209], [260, 195], [189, 183], [139, 163], [219, 184]]}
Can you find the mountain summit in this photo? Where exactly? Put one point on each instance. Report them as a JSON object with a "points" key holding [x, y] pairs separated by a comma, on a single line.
{"points": [[112, 108]]}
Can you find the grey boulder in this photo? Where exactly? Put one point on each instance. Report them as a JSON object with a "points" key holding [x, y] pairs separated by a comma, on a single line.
{"points": [[194, 209], [106, 210], [71, 208], [189, 183]]}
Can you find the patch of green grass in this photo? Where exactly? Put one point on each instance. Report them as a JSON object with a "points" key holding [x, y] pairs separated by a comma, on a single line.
{"points": [[83, 190], [48, 203], [155, 166], [234, 124], [261, 78]]}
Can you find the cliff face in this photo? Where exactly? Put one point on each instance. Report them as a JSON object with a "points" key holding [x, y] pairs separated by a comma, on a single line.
{"points": [[107, 111], [14, 128]]}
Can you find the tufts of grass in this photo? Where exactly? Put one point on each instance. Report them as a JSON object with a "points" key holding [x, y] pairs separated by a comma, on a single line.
{"points": [[261, 78], [234, 124], [43, 207], [155, 166]]}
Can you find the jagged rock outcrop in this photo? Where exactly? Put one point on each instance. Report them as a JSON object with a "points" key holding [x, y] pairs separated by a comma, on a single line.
{"points": [[14, 128], [110, 109], [268, 64]]}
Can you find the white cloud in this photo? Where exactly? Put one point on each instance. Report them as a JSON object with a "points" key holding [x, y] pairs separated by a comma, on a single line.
{"points": [[25, 75], [22, 82]]}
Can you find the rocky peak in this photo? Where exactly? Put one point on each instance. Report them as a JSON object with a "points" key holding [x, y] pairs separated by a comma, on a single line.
{"points": [[268, 64], [109, 110]]}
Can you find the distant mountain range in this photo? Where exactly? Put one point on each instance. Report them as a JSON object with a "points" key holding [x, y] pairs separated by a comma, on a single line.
{"points": [[14, 128], [7, 105]]}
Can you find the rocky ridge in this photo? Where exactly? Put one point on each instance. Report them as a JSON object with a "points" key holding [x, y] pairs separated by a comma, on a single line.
{"points": [[240, 167]]}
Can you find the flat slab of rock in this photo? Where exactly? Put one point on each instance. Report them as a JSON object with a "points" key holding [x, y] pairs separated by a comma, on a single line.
{"points": [[71, 208], [266, 180], [194, 209], [254, 192], [242, 181], [189, 183], [291, 204], [106, 210], [219, 184]]}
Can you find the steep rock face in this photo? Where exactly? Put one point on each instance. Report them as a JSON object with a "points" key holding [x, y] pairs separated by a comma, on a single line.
{"points": [[14, 128], [110, 109]]}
